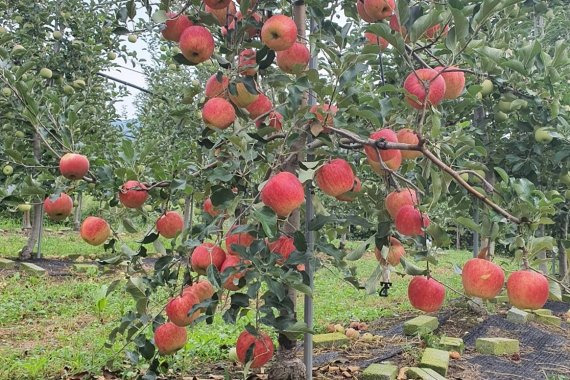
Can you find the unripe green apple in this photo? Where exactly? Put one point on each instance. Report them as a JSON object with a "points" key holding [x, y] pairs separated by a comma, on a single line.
{"points": [[57, 35], [6, 91], [75, 203], [111, 55], [518, 104], [479, 96], [195, 83], [46, 73], [565, 178], [504, 106], [542, 135], [501, 116], [132, 38], [176, 50], [24, 207], [486, 87], [181, 202], [79, 83], [172, 66], [464, 176], [20, 134], [8, 170], [567, 194], [68, 90], [18, 50], [147, 208]]}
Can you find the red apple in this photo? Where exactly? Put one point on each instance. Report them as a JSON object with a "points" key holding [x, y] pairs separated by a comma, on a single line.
{"points": [[73, 166], [241, 96], [295, 59], [392, 164], [222, 14], [454, 81], [424, 87], [433, 32], [218, 113], [426, 294], [362, 12], [250, 30], [397, 199], [407, 136], [247, 63], [217, 86], [262, 349], [335, 177], [395, 26], [209, 208], [175, 26], [197, 44], [410, 221], [217, 4], [178, 308], [482, 278], [60, 208], [379, 9], [373, 39], [201, 289], [205, 255], [241, 238], [94, 230], [133, 194], [231, 281], [169, 338], [283, 193], [395, 252], [261, 106], [527, 289], [350, 195], [273, 120], [284, 247], [170, 224], [324, 114], [387, 135], [279, 32]]}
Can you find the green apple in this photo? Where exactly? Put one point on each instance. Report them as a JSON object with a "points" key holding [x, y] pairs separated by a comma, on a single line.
{"points": [[18, 50], [567, 194], [68, 90], [57, 35], [75, 203], [46, 73], [542, 135], [565, 178], [172, 66], [501, 116], [24, 207], [20, 134], [132, 38], [518, 104], [8, 170], [176, 50], [6, 91], [504, 106], [147, 208], [79, 83], [181, 202], [111, 55], [486, 87], [464, 176]]}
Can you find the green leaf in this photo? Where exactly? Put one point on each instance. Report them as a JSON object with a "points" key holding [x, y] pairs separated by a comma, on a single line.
{"points": [[412, 269], [129, 226], [268, 220], [372, 281], [159, 16], [436, 186], [484, 12], [539, 244], [361, 249], [554, 291], [423, 23], [440, 238], [469, 223], [296, 329]]}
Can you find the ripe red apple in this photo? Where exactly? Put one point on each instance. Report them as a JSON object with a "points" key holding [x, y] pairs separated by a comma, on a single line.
{"points": [[197, 44], [284, 247], [273, 120], [217, 4], [407, 136], [250, 30], [387, 135], [324, 114], [392, 164], [73, 166], [295, 59], [241, 238], [178, 308], [95, 230], [454, 81], [433, 32], [279, 32], [426, 294], [395, 26], [397, 199], [133, 194], [205, 255], [217, 88], [231, 281], [527, 289], [60, 208], [247, 63], [350, 195], [262, 348], [395, 252], [373, 39], [424, 87], [218, 113], [261, 106], [175, 26], [335, 177], [222, 14], [362, 12], [170, 224], [209, 208], [169, 338], [482, 278], [240, 95], [201, 289], [410, 221], [379, 9], [283, 193]]}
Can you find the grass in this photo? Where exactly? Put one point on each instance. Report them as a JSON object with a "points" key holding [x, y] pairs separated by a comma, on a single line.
{"points": [[51, 326]]}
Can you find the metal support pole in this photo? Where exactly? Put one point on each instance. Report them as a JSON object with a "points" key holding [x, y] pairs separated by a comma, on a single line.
{"points": [[40, 233], [475, 233]]}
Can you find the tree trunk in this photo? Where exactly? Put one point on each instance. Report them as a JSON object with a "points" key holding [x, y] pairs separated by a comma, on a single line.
{"points": [[26, 221], [77, 212], [26, 251], [457, 238], [562, 262], [543, 267], [475, 233], [188, 210]]}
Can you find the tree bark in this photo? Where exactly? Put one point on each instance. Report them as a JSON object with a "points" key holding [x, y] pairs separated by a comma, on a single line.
{"points": [[188, 210], [562, 261], [26, 251], [457, 238], [26, 222], [543, 267], [77, 212], [475, 233]]}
